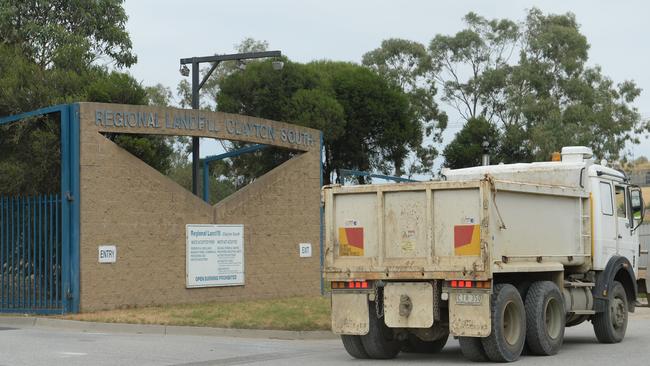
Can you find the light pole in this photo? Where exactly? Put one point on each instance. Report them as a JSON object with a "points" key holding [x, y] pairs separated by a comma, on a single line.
{"points": [[196, 87], [486, 152]]}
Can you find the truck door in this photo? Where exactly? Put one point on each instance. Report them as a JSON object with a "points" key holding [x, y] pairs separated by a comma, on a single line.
{"points": [[625, 244], [605, 225]]}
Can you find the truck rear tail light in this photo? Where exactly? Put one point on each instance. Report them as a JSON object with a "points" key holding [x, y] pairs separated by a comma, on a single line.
{"points": [[469, 284], [361, 285]]}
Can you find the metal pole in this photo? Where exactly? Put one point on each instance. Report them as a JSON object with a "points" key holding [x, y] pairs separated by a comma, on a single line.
{"points": [[196, 87], [195, 140], [206, 182], [486, 159], [486, 153]]}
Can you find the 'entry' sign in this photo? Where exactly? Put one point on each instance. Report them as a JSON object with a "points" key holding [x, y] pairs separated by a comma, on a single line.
{"points": [[107, 254]]}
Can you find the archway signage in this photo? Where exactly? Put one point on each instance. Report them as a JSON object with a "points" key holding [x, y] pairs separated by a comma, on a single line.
{"points": [[115, 118]]}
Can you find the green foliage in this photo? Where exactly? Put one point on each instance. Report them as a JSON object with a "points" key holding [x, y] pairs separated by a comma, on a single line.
{"points": [[30, 154], [318, 109], [466, 149], [121, 88], [466, 62], [153, 150], [69, 34], [379, 125], [222, 184], [408, 65], [115, 87], [48, 51], [545, 99], [366, 120], [159, 95]]}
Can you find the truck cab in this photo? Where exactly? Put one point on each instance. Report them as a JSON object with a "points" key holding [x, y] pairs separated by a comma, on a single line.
{"points": [[617, 215]]}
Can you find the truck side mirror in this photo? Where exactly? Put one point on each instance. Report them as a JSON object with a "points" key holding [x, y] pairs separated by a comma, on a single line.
{"points": [[636, 202]]}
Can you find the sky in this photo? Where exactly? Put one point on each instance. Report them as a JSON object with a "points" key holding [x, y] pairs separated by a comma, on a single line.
{"points": [[164, 31]]}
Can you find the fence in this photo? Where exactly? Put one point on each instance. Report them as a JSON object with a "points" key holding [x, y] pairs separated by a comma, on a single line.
{"points": [[30, 253]]}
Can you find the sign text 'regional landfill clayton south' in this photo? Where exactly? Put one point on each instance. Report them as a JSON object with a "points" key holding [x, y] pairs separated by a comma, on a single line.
{"points": [[192, 121]]}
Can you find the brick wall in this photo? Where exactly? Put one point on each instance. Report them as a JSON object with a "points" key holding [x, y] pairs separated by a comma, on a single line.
{"points": [[126, 203], [279, 211]]}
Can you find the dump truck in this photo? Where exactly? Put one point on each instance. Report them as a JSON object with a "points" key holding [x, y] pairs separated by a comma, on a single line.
{"points": [[503, 257]]}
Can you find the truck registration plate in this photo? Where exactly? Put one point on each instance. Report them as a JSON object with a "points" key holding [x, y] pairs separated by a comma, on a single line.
{"points": [[468, 299]]}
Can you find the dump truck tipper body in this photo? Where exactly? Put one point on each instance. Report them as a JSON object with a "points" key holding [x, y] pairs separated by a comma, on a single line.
{"points": [[410, 264]]}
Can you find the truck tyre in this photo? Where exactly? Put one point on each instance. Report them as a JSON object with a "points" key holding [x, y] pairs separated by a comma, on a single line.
{"points": [[545, 318], [354, 347], [508, 335], [610, 325], [416, 345], [380, 343], [472, 349]]}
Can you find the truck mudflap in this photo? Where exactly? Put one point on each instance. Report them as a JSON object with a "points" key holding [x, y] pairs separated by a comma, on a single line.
{"points": [[408, 305], [469, 312], [350, 314]]}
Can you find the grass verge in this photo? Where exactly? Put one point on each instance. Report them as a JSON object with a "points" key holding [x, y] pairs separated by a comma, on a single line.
{"points": [[297, 313]]}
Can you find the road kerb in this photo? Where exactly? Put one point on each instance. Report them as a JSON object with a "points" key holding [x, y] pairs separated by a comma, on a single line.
{"points": [[94, 327]]}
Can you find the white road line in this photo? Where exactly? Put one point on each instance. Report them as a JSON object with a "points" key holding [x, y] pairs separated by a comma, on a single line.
{"points": [[72, 353]]}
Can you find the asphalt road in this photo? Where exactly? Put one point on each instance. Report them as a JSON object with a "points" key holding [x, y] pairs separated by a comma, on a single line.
{"points": [[36, 346]]}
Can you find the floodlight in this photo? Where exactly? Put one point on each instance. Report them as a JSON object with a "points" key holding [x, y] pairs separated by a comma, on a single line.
{"points": [[185, 71], [277, 65]]}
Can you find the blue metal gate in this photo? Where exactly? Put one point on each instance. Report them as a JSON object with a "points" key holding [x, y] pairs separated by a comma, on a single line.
{"points": [[39, 234], [30, 253]]}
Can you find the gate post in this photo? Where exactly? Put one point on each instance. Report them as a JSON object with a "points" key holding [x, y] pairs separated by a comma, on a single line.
{"points": [[70, 207]]}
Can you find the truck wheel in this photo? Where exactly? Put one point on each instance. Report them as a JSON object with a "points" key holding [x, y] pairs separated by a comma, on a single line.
{"points": [[380, 343], [472, 349], [610, 325], [506, 341], [353, 345], [416, 345], [545, 318]]}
